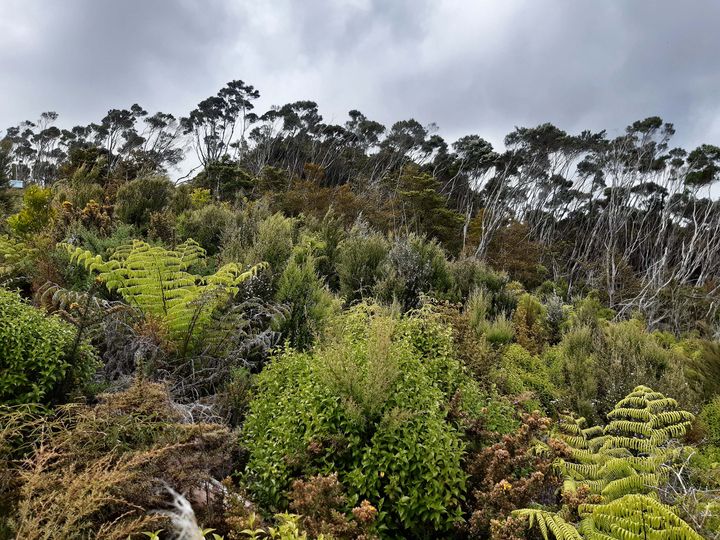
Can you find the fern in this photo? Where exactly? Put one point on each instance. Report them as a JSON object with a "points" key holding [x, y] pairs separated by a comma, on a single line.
{"points": [[620, 464], [633, 517], [15, 257], [549, 522], [156, 281]]}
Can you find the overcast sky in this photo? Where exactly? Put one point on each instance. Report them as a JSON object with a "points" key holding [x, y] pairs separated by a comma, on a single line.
{"points": [[470, 66]]}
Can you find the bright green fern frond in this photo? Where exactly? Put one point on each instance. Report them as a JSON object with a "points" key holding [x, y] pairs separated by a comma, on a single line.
{"points": [[549, 522]]}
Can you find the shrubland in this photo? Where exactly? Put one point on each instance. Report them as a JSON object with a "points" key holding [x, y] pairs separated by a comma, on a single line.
{"points": [[357, 332]]}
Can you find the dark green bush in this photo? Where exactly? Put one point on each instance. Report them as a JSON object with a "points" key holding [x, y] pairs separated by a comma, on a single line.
{"points": [[359, 259], [39, 359], [206, 225], [139, 198], [414, 266]]}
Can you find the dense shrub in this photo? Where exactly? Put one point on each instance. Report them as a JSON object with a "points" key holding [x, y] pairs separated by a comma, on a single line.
{"points": [[309, 302], [530, 322], [372, 393], [99, 471], [40, 357], [412, 267], [139, 198], [36, 212], [273, 242], [206, 225], [598, 366], [359, 259]]}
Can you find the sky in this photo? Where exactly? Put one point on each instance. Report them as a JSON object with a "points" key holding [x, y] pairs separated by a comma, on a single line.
{"points": [[470, 66]]}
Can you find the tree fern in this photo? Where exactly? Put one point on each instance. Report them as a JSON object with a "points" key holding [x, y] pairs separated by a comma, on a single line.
{"points": [[156, 281], [621, 464]]}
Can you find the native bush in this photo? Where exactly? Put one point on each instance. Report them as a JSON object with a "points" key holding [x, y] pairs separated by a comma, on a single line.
{"points": [[41, 358], [309, 302], [530, 322], [273, 242], [367, 404], [412, 267], [358, 266], [206, 225], [36, 212], [139, 198]]}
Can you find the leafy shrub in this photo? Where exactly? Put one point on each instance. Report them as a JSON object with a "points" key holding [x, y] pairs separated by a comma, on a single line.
{"points": [[521, 371], [36, 212], [599, 366], [206, 225], [412, 267], [467, 275], [139, 198], [709, 419], [359, 259], [273, 242], [40, 357], [530, 320], [510, 473], [310, 303], [372, 393]]}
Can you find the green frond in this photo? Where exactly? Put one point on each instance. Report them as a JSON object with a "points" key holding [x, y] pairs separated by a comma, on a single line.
{"points": [[549, 522]]}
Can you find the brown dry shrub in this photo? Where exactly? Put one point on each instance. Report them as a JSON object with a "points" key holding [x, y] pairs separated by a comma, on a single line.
{"points": [[321, 501], [96, 472], [510, 474]]}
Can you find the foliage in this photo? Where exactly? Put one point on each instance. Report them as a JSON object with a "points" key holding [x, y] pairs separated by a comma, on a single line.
{"points": [[155, 280], [310, 304], [206, 225], [358, 266], [36, 212], [139, 198], [94, 471], [509, 473], [530, 322], [274, 240], [413, 266], [41, 358], [370, 394]]}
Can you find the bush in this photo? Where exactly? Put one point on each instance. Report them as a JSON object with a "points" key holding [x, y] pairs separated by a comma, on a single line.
{"points": [[468, 274], [139, 198], [598, 366], [206, 225], [499, 332], [40, 360], [359, 259], [369, 405], [530, 322], [414, 266], [36, 212], [310, 303], [709, 419], [274, 241]]}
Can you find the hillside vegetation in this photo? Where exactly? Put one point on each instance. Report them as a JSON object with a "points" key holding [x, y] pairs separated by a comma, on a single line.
{"points": [[355, 331]]}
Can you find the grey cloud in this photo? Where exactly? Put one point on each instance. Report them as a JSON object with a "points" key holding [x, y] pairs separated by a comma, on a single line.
{"points": [[471, 67]]}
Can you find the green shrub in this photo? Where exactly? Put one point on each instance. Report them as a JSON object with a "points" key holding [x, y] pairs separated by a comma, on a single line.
{"points": [[274, 240], [359, 259], [521, 371], [414, 266], [206, 225], [39, 357], [369, 405], [139, 198], [36, 212], [530, 322], [709, 418], [499, 332], [598, 366], [309, 301], [468, 274]]}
